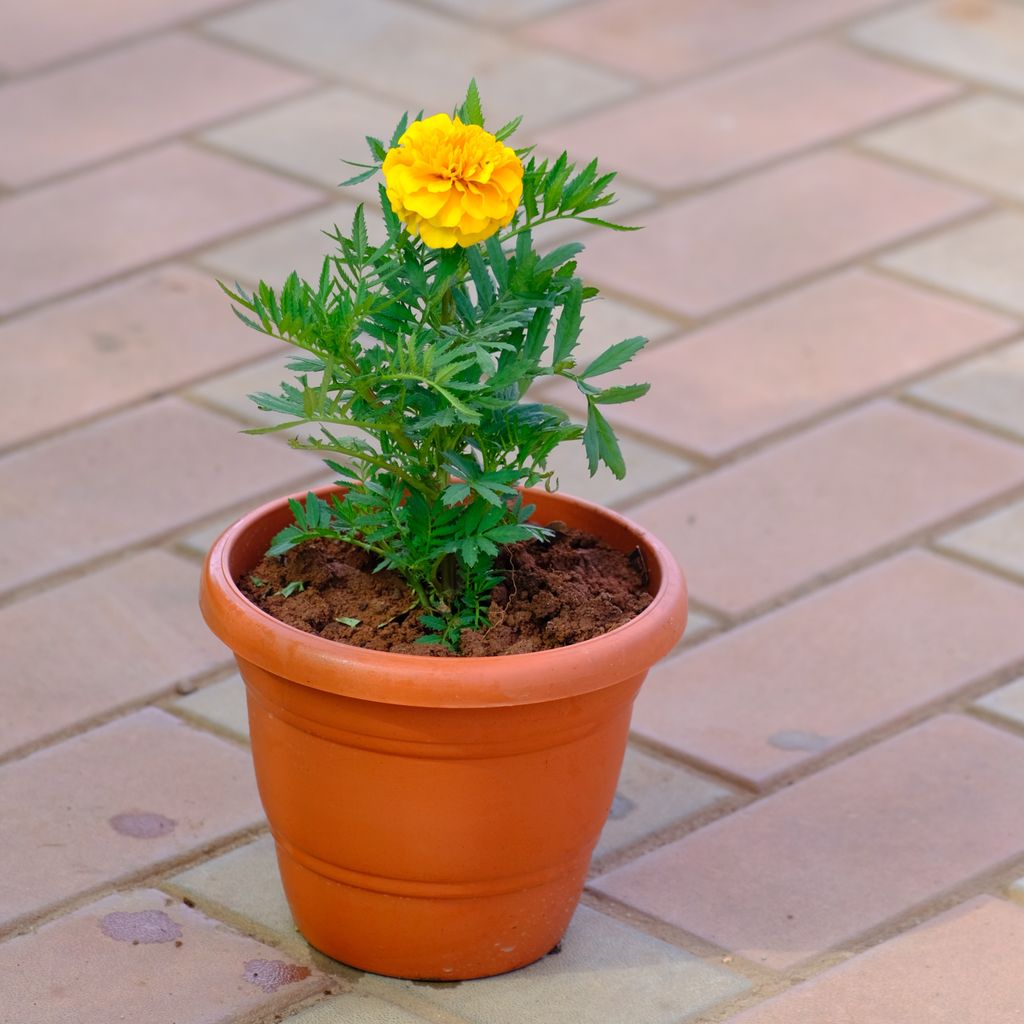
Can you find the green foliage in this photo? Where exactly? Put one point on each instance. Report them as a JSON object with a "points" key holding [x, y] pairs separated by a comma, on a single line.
{"points": [[295, 587], [414, 364]]}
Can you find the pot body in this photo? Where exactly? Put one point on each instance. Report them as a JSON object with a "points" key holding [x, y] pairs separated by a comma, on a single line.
{"points": [[435, 817]]}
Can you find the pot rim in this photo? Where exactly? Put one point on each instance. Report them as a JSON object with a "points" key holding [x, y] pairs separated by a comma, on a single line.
{"points": [[333, 666]]}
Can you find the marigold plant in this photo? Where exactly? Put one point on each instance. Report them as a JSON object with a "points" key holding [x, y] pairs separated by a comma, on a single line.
{"points": [[416, 355]]}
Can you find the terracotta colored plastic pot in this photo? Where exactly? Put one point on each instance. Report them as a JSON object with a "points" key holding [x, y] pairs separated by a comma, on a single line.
{"points": [[435, 817]]}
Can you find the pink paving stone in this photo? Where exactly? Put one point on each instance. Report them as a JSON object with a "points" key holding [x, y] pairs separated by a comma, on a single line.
{"points": [[963, 967], [702, 254], [57, 806], [855, 656], [815, 865], [184, 968], [115, 346], [664, 39], [704, 130], [139, 210], [43, 31], [147, 91], [120, 634], [823, 499], [731, 382], [128, 478]]}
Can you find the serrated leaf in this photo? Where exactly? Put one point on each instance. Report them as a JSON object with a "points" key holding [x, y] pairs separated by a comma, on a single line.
{"points": [[472, 112], [358, 178], [558, 256], [508, 128], [609, 224], [481, 278], [455, 493], [403, 123], [623, 393], [570, 321], [612, 358], [605, 443]]}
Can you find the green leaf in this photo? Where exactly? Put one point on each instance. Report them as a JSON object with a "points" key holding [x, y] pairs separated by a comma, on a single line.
{"points": [[455, 493], [471, 111], [295, 587], [377, 150], [357, 178], [360, 238], [570, 320], [346, 620], [497, 261], [624, 393], [508, 128], [403, 123], [609, 224], [257, 581], [601, 443], [611, 359], [558, 256], [481, 278]]}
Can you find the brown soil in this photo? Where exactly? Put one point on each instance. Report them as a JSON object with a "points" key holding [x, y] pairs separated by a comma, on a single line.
{"points": [[553, 594]]}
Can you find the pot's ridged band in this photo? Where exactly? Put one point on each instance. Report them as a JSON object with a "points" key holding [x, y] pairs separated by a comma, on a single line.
{"points": [[463, 750], [431, 890]]}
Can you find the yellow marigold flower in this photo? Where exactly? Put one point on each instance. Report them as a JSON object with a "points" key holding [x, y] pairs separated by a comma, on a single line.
{"points": [[452, 183]]}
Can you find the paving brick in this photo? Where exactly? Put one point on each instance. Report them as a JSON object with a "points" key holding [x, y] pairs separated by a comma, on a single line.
{"points": [[983, 259], [996, 539], [666, 984], [989, 389], [500, 12], [116, 346], [824, 498], [767, 697], [221, 704], [663, 40], [229, 392], [697, 624], [744, 116], [585, 982], [182, 966], [148, 91], [47, 30], [354, 1008], [653, 794], [127, 478], [356, 42], [148, 766], [813, 866], [954, 969], [313, 135], [607, 320], [271, 254], [245, 882], [727, 384], [979, 140], [139, 210], [1007, 702], [139, 623], [710, 251], [980, 39]]}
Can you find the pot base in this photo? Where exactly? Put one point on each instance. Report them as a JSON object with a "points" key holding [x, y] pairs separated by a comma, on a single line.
{"points": [[439, 938]]}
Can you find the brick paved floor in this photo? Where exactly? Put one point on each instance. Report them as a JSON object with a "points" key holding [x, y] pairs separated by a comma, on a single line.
{"points": [[819, 817]]}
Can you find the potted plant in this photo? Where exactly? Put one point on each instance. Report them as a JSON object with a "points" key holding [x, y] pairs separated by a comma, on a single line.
{"points": [[441, 652]]}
